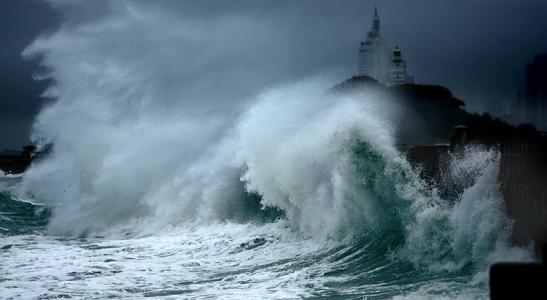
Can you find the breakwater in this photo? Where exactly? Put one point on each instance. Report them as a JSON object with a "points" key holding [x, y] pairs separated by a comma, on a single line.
{"points": [[523, 178]]}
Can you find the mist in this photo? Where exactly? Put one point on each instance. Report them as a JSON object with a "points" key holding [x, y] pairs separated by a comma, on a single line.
{"points": [[143, 97]]}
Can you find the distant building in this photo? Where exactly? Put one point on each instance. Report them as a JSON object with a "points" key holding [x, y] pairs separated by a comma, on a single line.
{"points": [[397, 71], [379, 61], [535, 97], [374, 55], [531, 106]]}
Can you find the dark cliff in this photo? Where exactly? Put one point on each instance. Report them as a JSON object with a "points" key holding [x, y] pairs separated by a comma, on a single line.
{"points": [[14, 163]]}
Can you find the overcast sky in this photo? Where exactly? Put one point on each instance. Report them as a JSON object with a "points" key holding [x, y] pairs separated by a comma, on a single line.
{"points": [[477, 48], [20, 23]]}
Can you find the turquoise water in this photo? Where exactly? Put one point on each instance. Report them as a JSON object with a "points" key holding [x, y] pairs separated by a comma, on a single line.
{"points": [[216, 261], [19, 218], [413, 250]]}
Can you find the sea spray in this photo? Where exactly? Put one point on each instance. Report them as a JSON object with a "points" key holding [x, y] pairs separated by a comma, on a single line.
{"points": [[348, 198], [336, 173], [327, 161], [138, 100], [294, 146]]}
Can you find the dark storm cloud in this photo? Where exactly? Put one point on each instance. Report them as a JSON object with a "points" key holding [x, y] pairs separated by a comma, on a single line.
{"points": [[20, 23], [477, 48]]}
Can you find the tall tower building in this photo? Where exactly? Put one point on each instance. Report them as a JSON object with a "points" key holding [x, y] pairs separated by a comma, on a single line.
{"points": [[374, 56], [378, 60], [536, 92]]}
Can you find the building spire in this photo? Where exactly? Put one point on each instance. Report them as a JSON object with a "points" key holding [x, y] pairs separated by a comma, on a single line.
{"points": [[375, 32]]}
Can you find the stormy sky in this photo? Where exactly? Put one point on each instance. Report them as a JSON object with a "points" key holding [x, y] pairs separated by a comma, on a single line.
{"points": [[478, 49]]}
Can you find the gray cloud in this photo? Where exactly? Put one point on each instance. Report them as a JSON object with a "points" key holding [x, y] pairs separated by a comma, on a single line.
{"points": [[477, 48]]}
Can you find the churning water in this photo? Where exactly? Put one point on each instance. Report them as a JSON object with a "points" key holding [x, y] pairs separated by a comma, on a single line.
{"points": [[345, 219]]}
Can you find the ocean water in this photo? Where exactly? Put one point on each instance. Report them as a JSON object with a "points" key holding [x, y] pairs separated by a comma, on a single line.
{"points": [[437, 250]]}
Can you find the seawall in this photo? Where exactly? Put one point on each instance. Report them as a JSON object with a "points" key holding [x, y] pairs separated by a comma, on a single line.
{"points": [[523, 181]]}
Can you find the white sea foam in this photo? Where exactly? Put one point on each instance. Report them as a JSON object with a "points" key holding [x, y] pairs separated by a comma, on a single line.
{"points": [[225, 261]]}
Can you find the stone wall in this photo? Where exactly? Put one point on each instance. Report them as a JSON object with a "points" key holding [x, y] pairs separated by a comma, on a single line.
{"points": [[523, 179]]}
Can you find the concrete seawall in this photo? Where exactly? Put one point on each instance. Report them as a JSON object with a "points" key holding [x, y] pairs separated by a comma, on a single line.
{"points": [[523, 181]]}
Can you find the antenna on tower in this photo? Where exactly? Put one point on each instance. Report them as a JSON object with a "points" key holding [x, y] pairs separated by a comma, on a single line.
{"points": [[375, 32]]}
